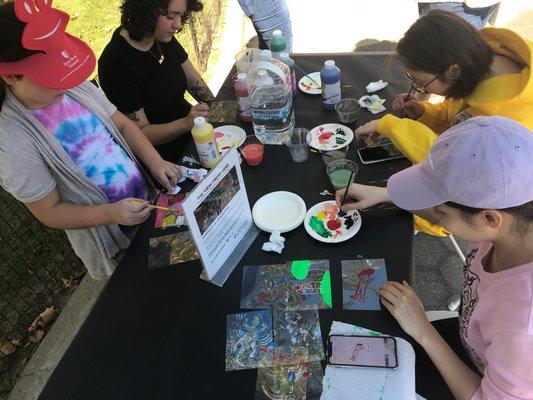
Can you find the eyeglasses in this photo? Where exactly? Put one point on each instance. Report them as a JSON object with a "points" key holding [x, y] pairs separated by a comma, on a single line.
{"points": [[418, 88]]}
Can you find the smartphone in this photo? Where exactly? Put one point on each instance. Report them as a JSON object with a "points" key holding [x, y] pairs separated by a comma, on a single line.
{"points": [[379, 153], [362, 351]]}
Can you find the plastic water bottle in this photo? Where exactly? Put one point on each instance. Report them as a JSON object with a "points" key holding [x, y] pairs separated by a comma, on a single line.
{"points": [[204, 139], [271, 102], [278, 43], [331, 85], [243, 98], [289, 62]]}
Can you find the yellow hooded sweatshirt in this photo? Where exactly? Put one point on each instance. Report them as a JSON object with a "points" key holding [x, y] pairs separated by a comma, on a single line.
{"points": [[509, 95]]}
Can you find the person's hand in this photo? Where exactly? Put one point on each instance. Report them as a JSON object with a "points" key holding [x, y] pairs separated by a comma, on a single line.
{"points": [[361, 196], [411, 107], [368, 132], [130, 211], [199, 110], [405, 306], [166, 173]]}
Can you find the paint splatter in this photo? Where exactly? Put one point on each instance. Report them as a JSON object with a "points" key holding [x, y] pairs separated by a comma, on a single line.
{"points": [[325, 288], [340, 140], [300, 269], [324, 135], [348, 221], [317, 225], [334, 224], [340, 131]]}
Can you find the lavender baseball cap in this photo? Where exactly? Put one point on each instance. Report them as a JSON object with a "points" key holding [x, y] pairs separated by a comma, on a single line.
{"points": [[484, 162]]}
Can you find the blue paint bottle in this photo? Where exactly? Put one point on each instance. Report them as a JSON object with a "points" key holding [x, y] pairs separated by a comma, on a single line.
{"points": [[331, 85]]}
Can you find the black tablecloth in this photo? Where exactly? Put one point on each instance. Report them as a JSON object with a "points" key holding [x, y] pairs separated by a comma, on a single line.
{"points": [[160, 334]]}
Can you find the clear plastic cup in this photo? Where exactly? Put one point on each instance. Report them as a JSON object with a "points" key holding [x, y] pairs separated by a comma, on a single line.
{"points": [[252, 150], [348, 110], [297, 145], [339, 172], [329, 156]]}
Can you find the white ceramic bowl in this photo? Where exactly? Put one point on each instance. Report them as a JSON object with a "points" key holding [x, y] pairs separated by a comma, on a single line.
{"points": [[279, 211]]}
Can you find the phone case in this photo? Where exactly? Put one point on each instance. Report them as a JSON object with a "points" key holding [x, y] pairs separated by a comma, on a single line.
{"points": [[329, 352]]}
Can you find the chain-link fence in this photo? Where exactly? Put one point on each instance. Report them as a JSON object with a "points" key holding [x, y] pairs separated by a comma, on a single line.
{"points": [[37, 271], [199, 33]]}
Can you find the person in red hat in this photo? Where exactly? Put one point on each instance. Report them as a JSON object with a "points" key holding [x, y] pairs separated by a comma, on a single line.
{"points": [[67, 153], [145, 72]]}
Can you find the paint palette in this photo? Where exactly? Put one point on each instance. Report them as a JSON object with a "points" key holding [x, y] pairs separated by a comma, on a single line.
{"points": [[228, 136], [323, 223], [329, 137], [306, 85]]}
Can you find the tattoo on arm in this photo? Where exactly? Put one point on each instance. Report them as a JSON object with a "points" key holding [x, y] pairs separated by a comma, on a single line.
{"points": [[133, 116], [201, 92]]}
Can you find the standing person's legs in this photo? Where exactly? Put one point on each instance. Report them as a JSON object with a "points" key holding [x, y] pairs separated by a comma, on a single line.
{"points": [[476, 16], [429, 382], [268, 16]]}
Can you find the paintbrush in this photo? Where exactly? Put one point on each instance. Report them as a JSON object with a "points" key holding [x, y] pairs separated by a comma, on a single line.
{"points": [[305, 74], [154, 206], [322, 153], [406, 98], [343, 213]]}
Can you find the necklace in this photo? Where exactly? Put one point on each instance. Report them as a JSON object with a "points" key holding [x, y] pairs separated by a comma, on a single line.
{"points": [[160, 57]]}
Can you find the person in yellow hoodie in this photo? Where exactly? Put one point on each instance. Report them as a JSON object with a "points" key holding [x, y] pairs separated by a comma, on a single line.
{"points": [[479, 72]]}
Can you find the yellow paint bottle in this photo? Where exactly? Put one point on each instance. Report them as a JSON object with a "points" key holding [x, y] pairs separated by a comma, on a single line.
{"points": [[204, 138]]}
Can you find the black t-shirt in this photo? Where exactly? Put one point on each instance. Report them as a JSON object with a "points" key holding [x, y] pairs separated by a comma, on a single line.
{"points": [[134, 79]]}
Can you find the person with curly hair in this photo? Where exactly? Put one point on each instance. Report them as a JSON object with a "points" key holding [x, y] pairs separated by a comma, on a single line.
{"points": [[145, 72]]}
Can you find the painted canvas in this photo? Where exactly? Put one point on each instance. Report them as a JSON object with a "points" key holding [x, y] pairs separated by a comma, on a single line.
{"points": [[361, 280], [167, 219], [171, 249], [249, 340], [299, 328], [224, 111], [286, 378], [296, 285]]}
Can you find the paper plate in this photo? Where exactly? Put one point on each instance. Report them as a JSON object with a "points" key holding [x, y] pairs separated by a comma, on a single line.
{"points": [[279, 211], [329, 137], [306, 85], [228, 136], [323, 223]]}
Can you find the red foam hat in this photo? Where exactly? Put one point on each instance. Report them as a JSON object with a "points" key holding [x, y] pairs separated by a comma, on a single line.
{"points": [[65, 61]]}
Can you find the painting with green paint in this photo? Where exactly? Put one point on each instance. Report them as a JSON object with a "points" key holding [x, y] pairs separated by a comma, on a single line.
{"points": [[295, 285]]}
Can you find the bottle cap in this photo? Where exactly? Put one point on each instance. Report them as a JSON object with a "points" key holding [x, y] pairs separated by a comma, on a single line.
{"points": [[265, 55], [199, 121], [277, 32], [241, 76], [329, 63]]}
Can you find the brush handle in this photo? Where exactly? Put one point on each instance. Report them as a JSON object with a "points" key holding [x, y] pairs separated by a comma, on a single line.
{"points": [[305, 74], [154, 206]]}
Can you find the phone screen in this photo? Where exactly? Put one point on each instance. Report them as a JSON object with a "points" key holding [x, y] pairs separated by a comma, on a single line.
{"points": [[363, 351], [379, 153]]}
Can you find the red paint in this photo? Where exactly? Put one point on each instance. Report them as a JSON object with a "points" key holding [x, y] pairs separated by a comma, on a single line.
{"points": [[218, 134], [334, 224], [253, 154], [324, 136]]}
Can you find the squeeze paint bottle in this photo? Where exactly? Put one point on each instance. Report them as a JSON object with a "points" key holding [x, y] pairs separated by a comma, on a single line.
{"points": [[243, 98], [289, 62], [203, 135], [278, 43], [331, 85]]}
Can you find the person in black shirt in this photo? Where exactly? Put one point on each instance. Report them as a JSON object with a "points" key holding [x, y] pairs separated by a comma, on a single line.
{"points": [[145, 72]]}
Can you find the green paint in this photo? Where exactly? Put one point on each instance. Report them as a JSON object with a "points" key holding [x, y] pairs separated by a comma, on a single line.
{"points": [[339, 178], [300, 268], [319, 228], [372, 333], [325, 288]]}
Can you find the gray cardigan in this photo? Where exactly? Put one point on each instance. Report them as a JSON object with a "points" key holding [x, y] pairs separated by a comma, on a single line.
{"points": [[33, 163]]}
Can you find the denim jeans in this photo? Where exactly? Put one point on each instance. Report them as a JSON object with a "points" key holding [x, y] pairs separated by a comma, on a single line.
{"points": [[267, 16], [476, 16]]}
